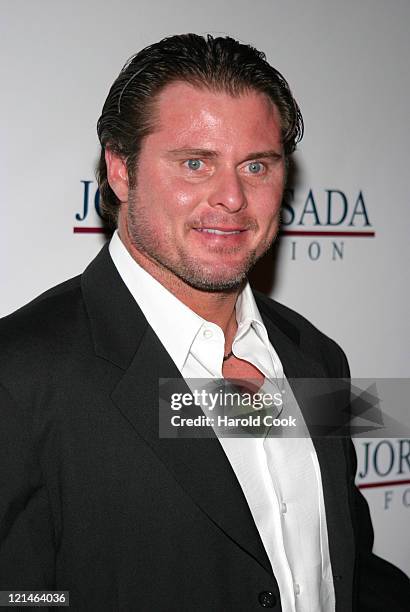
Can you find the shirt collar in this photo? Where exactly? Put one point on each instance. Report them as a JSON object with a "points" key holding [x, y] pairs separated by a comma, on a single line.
{"points": [[248, 315]]}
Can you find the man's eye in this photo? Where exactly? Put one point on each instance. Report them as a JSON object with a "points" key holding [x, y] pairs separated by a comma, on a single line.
{"points": [[255, 167], [194, 164]]}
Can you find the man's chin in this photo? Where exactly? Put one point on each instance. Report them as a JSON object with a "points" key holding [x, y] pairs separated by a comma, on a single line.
{"points": [[213, 282], [213, 277], [216, 285]]}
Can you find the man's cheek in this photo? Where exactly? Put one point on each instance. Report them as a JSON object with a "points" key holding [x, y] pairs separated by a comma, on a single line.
{"points": [[185, 197]]}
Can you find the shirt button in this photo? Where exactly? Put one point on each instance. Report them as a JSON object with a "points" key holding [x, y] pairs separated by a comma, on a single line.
{"points": [[283, 508], [267, 599], [207, 333], [297, 589]]}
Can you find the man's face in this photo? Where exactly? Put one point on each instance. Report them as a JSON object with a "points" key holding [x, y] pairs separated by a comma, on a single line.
{"points": [[208, 188]]}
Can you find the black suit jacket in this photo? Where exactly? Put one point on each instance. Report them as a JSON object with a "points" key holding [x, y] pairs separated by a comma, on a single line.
{"points": [[94, 502]]}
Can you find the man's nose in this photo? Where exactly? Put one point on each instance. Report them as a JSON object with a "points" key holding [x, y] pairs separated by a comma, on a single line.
{"points": [[228, 191]]}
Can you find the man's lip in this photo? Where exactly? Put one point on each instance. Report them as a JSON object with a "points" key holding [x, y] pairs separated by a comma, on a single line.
{"points": [[220, 229]]}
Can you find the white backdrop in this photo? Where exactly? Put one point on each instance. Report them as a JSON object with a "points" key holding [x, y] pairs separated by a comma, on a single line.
{"points": [[347, 64]]}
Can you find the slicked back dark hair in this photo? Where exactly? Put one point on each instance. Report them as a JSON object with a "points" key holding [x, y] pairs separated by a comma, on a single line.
{"points": [[218, 64]]}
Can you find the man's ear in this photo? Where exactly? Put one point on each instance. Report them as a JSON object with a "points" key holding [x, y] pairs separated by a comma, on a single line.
{"points": [[117, 175]]}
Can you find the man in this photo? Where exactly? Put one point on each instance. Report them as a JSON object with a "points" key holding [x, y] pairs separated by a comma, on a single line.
{"points": [[196, 134]]}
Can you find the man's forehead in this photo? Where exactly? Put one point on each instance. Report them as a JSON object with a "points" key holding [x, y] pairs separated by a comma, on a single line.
{"points": [[184, 108]]}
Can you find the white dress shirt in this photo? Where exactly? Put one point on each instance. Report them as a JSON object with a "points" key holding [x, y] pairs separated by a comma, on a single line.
{"points": [[280, 477]]}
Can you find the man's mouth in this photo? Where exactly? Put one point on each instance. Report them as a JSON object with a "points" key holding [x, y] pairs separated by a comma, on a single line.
{"points": [[219, 232]]}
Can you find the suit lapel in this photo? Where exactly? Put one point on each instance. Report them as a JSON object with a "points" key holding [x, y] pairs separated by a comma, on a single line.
{"points": [[199, 465], [122, 336]]}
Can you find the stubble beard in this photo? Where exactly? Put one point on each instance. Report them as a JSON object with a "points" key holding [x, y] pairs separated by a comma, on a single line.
{"points": [[192, 272]]}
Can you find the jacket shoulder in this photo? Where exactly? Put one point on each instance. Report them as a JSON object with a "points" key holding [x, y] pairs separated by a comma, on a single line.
{"points": [[55, 320]]}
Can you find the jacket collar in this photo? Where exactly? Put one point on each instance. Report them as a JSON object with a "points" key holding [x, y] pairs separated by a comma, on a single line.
{"points": [[117, 323]]}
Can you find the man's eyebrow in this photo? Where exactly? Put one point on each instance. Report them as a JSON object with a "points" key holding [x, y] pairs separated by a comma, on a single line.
{"points": [[272, 154], [193, 153]]}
